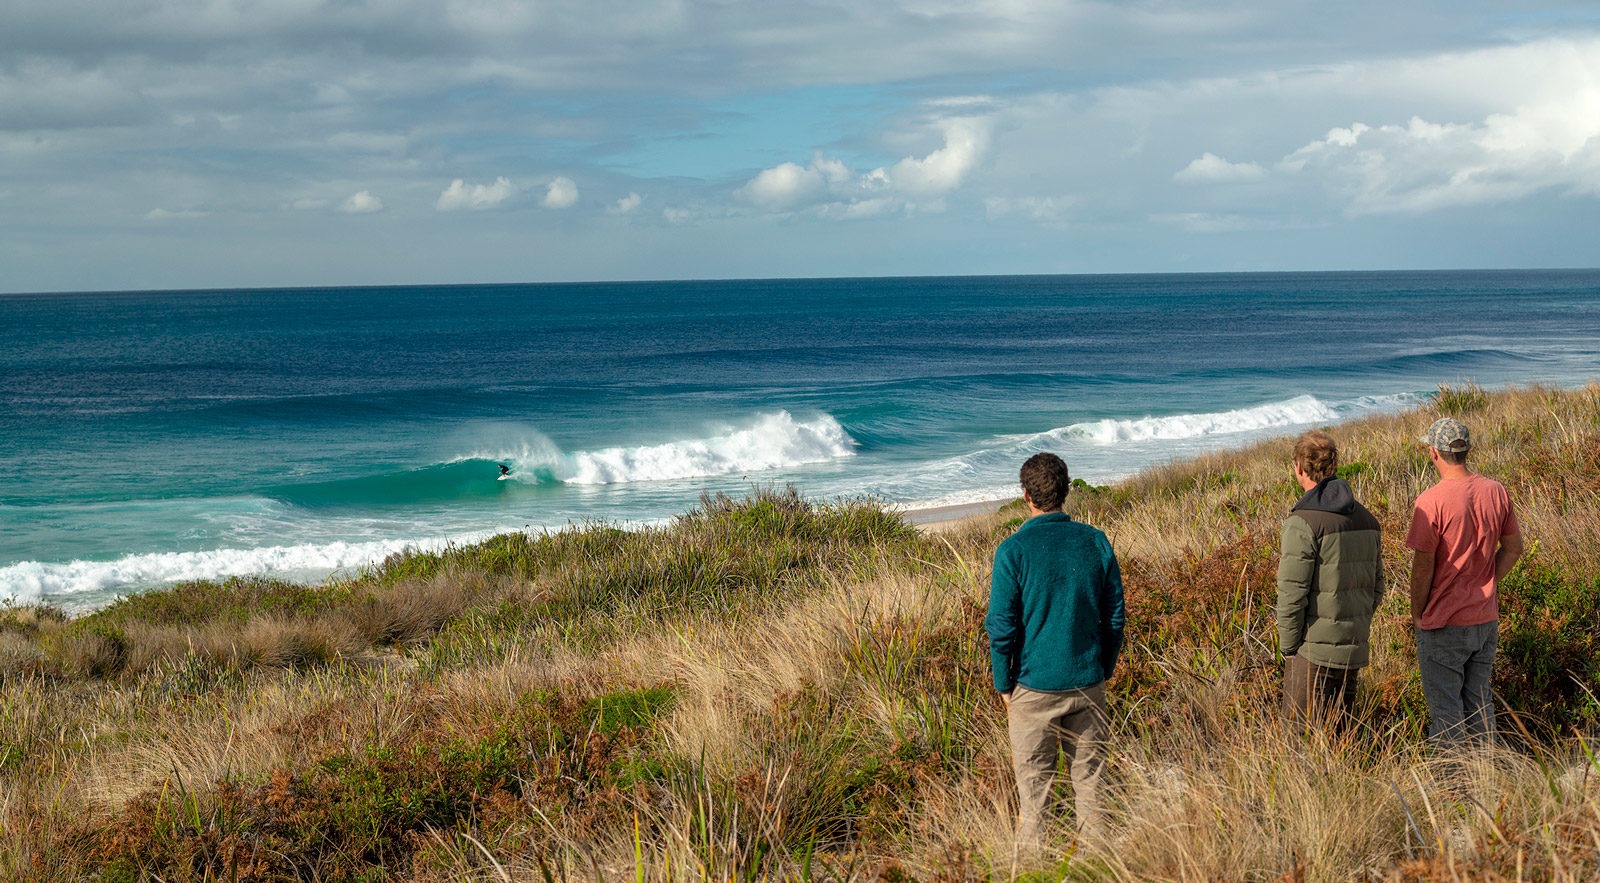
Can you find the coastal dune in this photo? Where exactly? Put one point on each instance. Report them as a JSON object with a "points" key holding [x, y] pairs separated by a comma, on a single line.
{"points": [[771, 687]]}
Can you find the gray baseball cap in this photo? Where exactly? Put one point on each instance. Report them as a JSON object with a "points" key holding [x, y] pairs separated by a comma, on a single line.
{"points": [[1448, 434]]}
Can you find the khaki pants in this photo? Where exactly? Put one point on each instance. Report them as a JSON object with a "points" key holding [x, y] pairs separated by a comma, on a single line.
{"points": [[1043, 725], [1316, 694]]}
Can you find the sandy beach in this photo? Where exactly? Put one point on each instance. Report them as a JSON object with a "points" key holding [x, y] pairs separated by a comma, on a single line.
{"points": [[939, 518]]}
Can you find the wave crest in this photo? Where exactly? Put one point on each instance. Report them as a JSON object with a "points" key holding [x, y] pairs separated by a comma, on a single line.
{"points": [[1297, 411], [774, 441]]}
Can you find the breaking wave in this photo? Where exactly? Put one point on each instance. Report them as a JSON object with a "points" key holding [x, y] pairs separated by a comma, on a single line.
{"points": [[771, 441], [97, 581], [774, 441], [1297, 411]]}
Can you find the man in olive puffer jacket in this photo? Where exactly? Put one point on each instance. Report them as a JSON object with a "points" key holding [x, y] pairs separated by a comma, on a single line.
{"points": [[1330, 579]]}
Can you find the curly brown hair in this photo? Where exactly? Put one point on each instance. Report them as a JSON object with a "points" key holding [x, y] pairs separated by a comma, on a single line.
{"points": [[1046, 481]]}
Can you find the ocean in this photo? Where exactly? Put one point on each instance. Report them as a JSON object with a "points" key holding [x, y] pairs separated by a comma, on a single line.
{"points": [[152, 437]]}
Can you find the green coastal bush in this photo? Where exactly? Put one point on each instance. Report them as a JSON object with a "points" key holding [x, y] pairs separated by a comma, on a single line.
{"points": [[774, 688], [1548, 667], [361, 815]]}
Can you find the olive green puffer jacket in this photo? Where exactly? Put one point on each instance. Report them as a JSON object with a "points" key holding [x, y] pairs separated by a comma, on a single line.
{"points": [[1330, 577]]}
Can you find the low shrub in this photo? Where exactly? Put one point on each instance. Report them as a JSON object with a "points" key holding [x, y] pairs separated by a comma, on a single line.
{"points": [[1459, 401], [1548, 663], [363, 815]]}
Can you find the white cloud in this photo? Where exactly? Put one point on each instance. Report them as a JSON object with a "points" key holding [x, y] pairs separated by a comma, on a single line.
{"points": [[1210, 168], [477, 197], [834, 190], [1396, 136], [362, 203], [1534, 128], [944, 169], [787, 184], [562, 193], [1424, 166], [627, 204]]}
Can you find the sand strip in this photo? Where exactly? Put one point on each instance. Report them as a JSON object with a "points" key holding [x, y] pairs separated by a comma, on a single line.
{"points": [[939, 517]]}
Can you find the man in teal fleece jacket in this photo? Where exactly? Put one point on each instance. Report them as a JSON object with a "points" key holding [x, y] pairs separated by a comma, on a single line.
{"points": [[1055, 629]]}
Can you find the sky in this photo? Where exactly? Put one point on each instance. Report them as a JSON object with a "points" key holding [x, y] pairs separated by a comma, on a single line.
{"points": [[179, 144]]}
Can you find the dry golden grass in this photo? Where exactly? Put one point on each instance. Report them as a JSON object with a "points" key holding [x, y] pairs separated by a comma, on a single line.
{"points": [[827, 712]]}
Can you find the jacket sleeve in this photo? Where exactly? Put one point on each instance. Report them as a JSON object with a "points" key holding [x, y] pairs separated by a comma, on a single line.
{"points": [[1004, 621], [1113, 617], [1297, 567]]}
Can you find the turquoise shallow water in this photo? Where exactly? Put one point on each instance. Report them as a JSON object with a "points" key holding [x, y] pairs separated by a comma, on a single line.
{"points": [[150, 437]]}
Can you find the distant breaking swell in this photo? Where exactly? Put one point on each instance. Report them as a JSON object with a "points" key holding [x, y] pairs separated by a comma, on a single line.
{"points": [[1298, 411], [1115, 448], [769, 442]]}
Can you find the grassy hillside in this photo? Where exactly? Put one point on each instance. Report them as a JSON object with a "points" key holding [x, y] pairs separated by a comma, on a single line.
{"points": [[772, 689]]}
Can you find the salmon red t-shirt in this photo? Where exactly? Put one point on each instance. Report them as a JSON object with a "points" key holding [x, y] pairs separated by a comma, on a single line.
{"points": [[1461, 521]]}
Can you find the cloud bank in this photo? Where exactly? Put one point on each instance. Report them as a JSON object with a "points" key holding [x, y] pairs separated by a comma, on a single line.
{"points": [[831, 188], [1108, 137]]}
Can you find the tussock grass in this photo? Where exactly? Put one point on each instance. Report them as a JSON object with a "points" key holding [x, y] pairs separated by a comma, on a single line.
{"points": [[778, 689]]}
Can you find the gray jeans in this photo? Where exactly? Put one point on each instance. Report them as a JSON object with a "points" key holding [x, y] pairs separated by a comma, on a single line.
{"points": [[1456, 663], [1044, 725]]}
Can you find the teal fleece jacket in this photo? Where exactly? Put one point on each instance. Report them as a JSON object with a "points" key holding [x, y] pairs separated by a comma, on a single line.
{"points": [[1055, 606]]}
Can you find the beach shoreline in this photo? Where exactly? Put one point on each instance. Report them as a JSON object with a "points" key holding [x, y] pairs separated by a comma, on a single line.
{"points": [[933, 519]]}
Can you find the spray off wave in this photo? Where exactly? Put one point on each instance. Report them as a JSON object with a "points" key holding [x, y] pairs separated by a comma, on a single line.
{"points": [[772, 441]]}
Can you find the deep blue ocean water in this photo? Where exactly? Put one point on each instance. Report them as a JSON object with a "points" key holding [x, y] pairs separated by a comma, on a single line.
{"points": [[152, 437]]}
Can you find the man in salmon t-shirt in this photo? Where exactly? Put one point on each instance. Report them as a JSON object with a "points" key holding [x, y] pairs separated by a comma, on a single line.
{"points": [[1464, 540]]}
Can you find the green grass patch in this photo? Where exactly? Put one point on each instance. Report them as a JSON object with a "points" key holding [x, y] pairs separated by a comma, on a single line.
{"points": [[1457, 401], [1549, 648]]}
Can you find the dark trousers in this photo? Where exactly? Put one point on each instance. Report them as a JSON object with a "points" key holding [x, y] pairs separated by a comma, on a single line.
{"points": [[1314, 693]]}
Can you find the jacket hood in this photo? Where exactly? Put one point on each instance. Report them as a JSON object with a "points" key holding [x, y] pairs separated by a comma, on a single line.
{"points": [[1330, 495]]}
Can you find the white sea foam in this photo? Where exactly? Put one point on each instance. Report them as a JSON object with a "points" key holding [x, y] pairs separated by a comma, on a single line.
{"points": [[92, 582], [1298, 411], [773, 441], [1388, 404], [1108, 450]]}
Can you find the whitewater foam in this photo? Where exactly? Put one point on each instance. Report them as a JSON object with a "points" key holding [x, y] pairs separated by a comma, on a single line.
{"points": [[1297, 411], [1104, 451], [774, 441], [92, 582]]}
